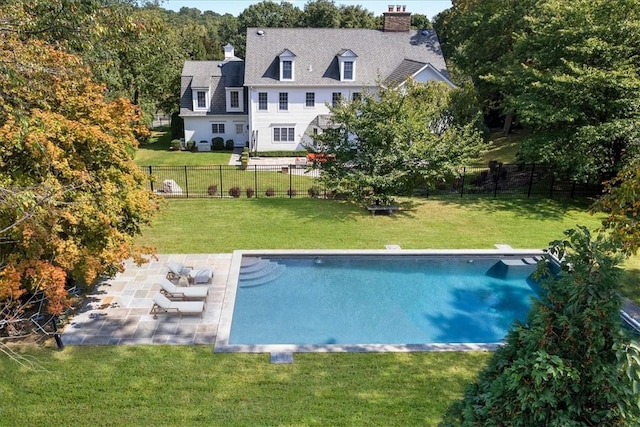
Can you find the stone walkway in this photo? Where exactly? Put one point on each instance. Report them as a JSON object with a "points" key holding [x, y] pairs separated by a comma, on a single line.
{"points": [[117, 311]]}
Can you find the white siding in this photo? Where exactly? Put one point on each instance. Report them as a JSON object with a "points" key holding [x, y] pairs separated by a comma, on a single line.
{"points": [[298, 114], [199, 128]]}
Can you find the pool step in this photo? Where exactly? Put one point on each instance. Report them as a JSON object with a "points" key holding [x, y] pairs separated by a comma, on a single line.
{"points": [[258, 271], [501, 268]]}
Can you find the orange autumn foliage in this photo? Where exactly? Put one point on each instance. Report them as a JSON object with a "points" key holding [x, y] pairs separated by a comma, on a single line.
{"points": [[71, 198]]}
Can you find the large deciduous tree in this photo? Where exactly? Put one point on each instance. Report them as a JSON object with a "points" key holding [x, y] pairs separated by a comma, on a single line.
{"points": [[570, 364], [72, 199], [387, 142], [569, 71]]}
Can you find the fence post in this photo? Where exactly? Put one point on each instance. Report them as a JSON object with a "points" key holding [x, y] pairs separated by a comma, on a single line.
{"points": [[553, 181], [497, 179], [150, 175], [533, 166], [573, 188], [255, 179], [464, 170], [186, 181], [290, 182], [221, 186]]}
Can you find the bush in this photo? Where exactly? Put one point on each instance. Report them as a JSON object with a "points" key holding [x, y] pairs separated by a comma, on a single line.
{"points": [[212, 189], [228, 145], [177, 125], [234, 192], [217, 143], [314, 191], [176, 145], [279, 154], [250, 192], [291, 192], [270, 192], [191, 145]]}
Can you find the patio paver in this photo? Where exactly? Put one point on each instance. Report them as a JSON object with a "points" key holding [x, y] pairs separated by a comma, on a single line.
{"points": [[117, 310]]}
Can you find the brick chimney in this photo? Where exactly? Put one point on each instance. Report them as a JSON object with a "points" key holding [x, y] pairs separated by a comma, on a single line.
{"points": [[398, 20]]}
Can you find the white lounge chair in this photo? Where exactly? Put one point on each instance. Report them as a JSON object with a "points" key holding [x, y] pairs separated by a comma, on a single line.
{"points": [[195, 276], [163, 305], [181, 292]]}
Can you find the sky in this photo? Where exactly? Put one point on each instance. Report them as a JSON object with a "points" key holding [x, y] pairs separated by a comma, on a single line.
{"points": [[430, 8]]}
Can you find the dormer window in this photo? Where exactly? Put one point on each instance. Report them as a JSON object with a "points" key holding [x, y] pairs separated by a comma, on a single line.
{"points": [[234, 100], [200, 99], [347, 64], [287, 65]]}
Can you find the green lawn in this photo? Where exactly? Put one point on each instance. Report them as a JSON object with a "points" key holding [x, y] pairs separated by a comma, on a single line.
{"points": [[156, 153], [214, 225], [176, 385]]}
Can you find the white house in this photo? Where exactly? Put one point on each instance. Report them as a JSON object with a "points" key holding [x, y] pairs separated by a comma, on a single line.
{"points": [[291, 75], [213, 101]]}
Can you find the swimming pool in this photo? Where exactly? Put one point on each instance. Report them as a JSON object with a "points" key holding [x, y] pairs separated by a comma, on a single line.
{"points": [[389, 300]]}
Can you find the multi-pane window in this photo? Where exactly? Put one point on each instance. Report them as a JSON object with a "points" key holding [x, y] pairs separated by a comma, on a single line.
{"points": [[217, 127], [355, 96], [336, 97], [234, 99], [202, 99], [283, 102], [348, 70], [284, 134], [311, 99], [287, 71], [262, 100], [239, 128]]}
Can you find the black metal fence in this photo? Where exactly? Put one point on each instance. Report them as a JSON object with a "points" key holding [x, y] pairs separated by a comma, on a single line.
{"points": [[297, 181]]}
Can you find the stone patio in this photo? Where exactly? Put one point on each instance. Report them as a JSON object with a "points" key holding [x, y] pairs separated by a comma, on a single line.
{"points": [[117, 311]]}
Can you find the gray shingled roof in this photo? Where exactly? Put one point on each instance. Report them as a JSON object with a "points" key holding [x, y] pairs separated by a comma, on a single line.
{"points": [[218, 75], [380, 55]]}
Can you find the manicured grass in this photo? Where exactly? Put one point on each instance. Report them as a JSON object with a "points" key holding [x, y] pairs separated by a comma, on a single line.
{"points": [[157, 152], [214, 225], [176, 385]]}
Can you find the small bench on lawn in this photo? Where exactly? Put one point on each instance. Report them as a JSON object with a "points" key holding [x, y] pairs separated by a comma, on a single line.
{"points": [[389, 210]]}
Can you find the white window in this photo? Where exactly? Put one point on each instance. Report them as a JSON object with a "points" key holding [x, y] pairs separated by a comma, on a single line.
{"points": [[262, 101], [202, 99], [336, 97], [348, 70], [283, 101], [217, 128], [239, 128], [284, 134], [347, 63], [234, 100], [287, 71], [310, 100], [287, 65]]}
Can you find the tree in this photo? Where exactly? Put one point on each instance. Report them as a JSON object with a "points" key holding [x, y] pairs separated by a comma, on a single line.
{"points": [[356, 17], [566, 366], [420, 21], [321, 14], [621, 203], [72, 198], [578, 93], [386, 143]]}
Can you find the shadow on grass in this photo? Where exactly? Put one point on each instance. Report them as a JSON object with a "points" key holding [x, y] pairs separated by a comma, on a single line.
{"points": [[160, 141], [530, 208]]}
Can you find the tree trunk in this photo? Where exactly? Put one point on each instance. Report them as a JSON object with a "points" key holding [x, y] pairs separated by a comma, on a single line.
{"points": [[508, 121]]}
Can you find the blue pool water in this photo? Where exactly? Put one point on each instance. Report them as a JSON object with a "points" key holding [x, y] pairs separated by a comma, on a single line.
{"points": [[322, 300]]}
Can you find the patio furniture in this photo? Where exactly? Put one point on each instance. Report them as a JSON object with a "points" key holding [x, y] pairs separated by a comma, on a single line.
{"points": [[181, 292], [194, 276], [163, 305]]}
